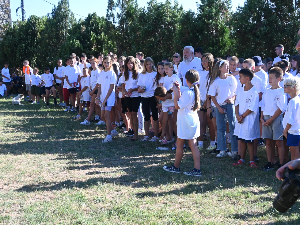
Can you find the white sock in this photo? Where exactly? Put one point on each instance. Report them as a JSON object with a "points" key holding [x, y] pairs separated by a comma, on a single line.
{"points": [[212, 143], [228, 135], [200, 143], [109, 136]]}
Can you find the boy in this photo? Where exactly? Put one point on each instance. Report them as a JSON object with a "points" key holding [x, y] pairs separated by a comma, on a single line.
{"points": [[72, 74], [3, 91], [259, 71], [283, 64], [48, 81], [233, 70], [274, 104], [35, 81], [6, 77], [27, 70], [246, 111], [291, 119]]}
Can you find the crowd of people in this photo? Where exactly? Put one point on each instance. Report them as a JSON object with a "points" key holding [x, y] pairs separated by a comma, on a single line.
{"points": [[235, 103]]}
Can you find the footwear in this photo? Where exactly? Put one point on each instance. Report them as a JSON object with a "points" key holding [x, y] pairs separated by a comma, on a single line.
{"points": [[237, 157], [122, 125], [174, 147], [114, 133], [146, 138], [277, 164], [100, 122], [78, 117], [61, 104], [85, 122], [215, 151], [256, 159], [268, 167], [228, 140], [129, 133], [200, 148], [141, 132], [194, 172], [164, 141], [171, 169], [72, 110], [67, 109], [232, 154], [33, 102], [133, 139], [97, 118], [107, 139], [221, 154], [261, 142], [238, 163], [154, 139], [253, 165], [211, 147], [38, 103]]}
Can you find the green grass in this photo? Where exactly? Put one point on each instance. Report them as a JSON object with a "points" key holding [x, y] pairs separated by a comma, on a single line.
{"points": [[55, 171]]}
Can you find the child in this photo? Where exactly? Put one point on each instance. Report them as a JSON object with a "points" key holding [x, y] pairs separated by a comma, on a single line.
{"points": [[72, 74], [3, 90], [106, 95], [66, 93], [35, 81], [274, 104], [187, 102], [6, 77], [83, 94], [27, 70], [129, 89], [233, 69], [222, 92], [246, 111], [58, 75], [147, 86], [48, 80], [291, 117], [259, 71], [295, 65], [283, 64]]}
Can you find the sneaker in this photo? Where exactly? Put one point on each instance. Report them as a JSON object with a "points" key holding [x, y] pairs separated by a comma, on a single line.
{"points": [[154, 139], [268, 167], [78, 117], [67, 109], [261, 142], [211, 147], [38, 103], [215, 151], [107, 139], [97, 118], [228, 139], [61, 104], [114, 133], [122, 126], [171, 169], [194, 172], [232, 154], [164, 141], [100, 122], [237, 157], [129, 133], [146, 138], [221, 154], [253, 165], [277, 164], [174, 147], [256, 159], [72, 110], [141, 132], [33, 102], [85, 122], [238, 163]]}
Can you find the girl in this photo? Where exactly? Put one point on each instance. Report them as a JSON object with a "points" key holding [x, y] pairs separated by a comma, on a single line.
{"points": [[106, 96], [146, 83], [222, 92], [187, 101], [66, 93], [295, 65], [207, 65], [48, 80], [129, 89], [58, 75]]}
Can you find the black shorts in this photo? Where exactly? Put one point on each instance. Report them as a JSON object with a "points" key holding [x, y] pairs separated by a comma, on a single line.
{"points": [[124, 106], [48, 88], [245, 141], [149, 105], [72, 91], [35, 90], [96, 92], [133, 103], [7, 83], [58, 84], [203, 110], [42, 90]]}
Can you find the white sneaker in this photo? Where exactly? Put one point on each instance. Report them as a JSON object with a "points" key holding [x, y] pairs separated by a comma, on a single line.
{"points": [[67, 109], [141, 132], [114, 133], [221, 154], [78, 117], [33, 102], [97, 117], [146, 138], [61, 104], [100, 123], [211, 147], [154, 139], [107, 139], [85, 122], [232, 154]]}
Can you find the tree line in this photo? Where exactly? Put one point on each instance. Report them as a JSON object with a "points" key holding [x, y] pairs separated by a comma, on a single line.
{"points": [[158, 30]]}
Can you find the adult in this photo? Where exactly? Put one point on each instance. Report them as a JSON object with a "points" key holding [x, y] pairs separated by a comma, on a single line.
{"points": [[279, 52], [189, 62], [199, 52], [176, 61]]}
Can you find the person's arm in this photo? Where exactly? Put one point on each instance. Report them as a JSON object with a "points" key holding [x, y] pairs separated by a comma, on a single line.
{"points": [[177, 95], [260, 94], [221, 110], [292, 165], [276, 114], [67, 79], [285, 131], [97, 100]]}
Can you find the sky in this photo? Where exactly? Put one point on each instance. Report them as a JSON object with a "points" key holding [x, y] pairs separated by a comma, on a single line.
{"points": [[82, 8]]}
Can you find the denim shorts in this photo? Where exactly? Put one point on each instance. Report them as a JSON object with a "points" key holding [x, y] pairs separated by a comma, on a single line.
{"points": [[275, 130]]}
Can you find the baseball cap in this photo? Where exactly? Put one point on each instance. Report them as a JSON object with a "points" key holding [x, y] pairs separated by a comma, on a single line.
{"points": [[257, 60]]}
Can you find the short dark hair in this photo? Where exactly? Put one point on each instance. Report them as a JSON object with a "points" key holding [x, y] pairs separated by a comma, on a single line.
{"points": [[276, 71], [47, 68], [6, 63], [241, 60], [268, 59], [246, 73], [280, 46], [281, 64], [199, 49], [83, 55]]}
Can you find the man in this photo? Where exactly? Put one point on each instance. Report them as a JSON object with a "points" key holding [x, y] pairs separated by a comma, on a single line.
{"points": [[176, 61], [198, 52], [189, 62], [279, 52]]}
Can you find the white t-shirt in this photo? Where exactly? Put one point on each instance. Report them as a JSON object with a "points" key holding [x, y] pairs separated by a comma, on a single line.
{"points": [[292, 116], [293, 72], [2, 89], [202, 84], [81, 66], [263, 76], [223, 89], [5, 72], [58, 72], [277, 59], [105, 80], [48, 79], [168, 84], [85, 82], [35, 79], [184, 67], [176, 68], [131, 83], [72, 74], [27, 76], [147, 80], [188, 125], [94, 78], [285, 76], [273, 99], [249, 129], [64, 75]]}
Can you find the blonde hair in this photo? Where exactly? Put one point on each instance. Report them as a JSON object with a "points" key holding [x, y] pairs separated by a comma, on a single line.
{"points": [[294, 82], [148, 59], [250, 62], [234, 59]]}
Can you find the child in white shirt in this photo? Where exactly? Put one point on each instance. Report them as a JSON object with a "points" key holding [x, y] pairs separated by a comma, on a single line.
{"points": [[259, 71], [295, 65], [3, 90], [247, 114], [27, 71], [72, 74], [6, 77], [291, 119], [187, 101], [58, 75], [48, 80], [274, 104], [35, 81]]}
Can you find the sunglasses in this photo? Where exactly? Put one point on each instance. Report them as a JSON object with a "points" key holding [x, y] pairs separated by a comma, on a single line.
{"points": [[285, 86], [175, 56]]}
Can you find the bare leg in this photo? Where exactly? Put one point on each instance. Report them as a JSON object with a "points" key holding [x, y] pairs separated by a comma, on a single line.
{"points": [[179, 152], [203, 123], [195, 152], [294, 152], [135, 123], [280, 147]]}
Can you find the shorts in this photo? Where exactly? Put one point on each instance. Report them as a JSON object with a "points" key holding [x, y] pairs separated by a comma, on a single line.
{"points": [[42, 90], [66, 95], [107, 108], [28, 87], [72, 91], [48, 88], [245, 141], [58, 85], [275, 130], [35, 90], [167, 108], [149, 108], [203, 110], [292, 140], [133, 103], [124, 107], [7, 83], [96, 92]]}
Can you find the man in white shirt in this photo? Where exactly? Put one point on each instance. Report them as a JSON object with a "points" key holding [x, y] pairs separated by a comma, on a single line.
{"points": [[279, 52], [176, 61], [189, 62]]}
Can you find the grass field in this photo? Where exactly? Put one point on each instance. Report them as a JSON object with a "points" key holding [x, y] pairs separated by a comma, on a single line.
{"points": [[55, 171]]}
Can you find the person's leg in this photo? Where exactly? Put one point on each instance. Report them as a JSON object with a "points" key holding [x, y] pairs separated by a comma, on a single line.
{"points": [[92, 108], [212, 132], [174, 118], [135, 124], [66, 96], [179, 152], [108, 122], [72, 97], [270, 150], [221, 131], [164, 124], [54, 94], [251, 151], [203, 123], [47, 96], [231, 122], [154, 111], [140, 117], [294, 152], [280, 147], [195, 152], [170, 128], [60, 93], [81, 105], [146, 113], [243, 149]]}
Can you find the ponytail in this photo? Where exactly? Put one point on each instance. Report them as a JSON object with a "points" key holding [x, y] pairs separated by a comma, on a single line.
{"points": [[197, 98]]}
